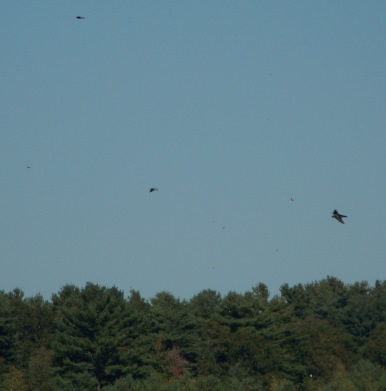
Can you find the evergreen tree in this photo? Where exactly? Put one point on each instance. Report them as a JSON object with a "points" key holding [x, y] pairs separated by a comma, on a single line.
{"points": [[325, 335], [89, 334]]}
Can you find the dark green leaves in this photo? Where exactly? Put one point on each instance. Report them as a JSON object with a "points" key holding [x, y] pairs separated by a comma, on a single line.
{"points": [[324, 335]]}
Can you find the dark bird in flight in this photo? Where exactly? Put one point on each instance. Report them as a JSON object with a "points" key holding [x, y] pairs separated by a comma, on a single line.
{"points": [[292, 199], [80, 17], [338, 216], [28, 167], [152, 189]]}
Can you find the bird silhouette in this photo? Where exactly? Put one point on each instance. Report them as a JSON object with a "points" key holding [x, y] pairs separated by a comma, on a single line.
{"points": [[338, 216], [80, 17], [152, 189]]}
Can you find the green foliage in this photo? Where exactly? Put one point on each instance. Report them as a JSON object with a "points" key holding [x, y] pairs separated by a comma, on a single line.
{"points": [[320, 336], [375, 347], [7, 338], [39, 371], [14, 380], [89, 335], [363, 376]]}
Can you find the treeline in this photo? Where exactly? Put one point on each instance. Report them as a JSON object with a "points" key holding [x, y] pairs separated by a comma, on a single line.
{"points": [[324, 336]]}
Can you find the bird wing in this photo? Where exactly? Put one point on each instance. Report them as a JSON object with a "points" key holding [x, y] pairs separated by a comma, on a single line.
{"points": [[339, 218]]}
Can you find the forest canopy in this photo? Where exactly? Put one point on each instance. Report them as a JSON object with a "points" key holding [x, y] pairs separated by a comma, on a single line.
{"points": [[324, 335]]}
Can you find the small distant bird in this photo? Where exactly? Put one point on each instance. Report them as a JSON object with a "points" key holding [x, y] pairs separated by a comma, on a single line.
{"points": [[80, 17], [338, 216], [152, 189], [28, 167], [292, 199]]}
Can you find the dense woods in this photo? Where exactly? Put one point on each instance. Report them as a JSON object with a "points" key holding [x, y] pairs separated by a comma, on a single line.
{"points": [[325, 335]]}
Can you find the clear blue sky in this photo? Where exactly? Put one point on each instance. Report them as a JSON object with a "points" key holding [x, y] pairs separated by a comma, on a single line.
{"points": [[229, 108]]}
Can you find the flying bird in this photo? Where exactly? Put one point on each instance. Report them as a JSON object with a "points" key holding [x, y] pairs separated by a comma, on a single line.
{"points": [[338, 216], [80, 17], [152, 189]]}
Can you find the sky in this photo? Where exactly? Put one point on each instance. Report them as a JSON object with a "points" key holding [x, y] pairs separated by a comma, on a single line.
{"points": [[254, 119]]}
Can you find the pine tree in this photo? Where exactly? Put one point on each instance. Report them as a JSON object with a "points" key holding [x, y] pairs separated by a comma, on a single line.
{"points": [[89, 333]]}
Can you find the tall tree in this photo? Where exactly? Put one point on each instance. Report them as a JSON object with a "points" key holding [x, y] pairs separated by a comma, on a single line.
{"points": [[89, 333]]}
